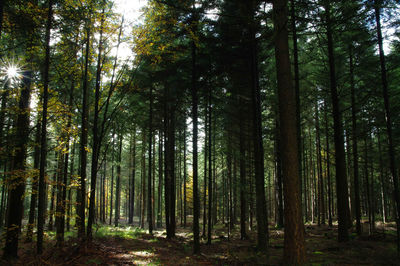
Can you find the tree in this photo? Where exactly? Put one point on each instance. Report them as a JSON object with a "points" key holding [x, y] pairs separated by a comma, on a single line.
{"points": [[388, 118], [43, 141], [294, 251], [341, 176]]}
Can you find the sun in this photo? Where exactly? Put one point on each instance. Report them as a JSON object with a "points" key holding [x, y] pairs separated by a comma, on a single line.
{"points": [[10, 72], [13, 72]]}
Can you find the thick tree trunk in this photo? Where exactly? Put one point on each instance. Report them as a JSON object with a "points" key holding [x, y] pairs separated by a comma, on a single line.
{"points": [[17, 184], [294, 250]]}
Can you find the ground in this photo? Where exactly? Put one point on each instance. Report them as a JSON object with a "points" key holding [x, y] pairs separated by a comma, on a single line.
{"points": [[132, 246]]}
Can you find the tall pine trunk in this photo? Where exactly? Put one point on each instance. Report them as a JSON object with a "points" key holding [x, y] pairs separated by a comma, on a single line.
{"points": [[341, 176], [17, 184], [95, 130], [43, 141], [196, 201], [294, 250], [149, 180], [388, 118]]}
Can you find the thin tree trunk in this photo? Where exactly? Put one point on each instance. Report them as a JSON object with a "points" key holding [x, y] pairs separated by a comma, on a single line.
{"points": [[96, 139], [112, 177], [341, 176], [149, 180], [261, 208], [388, 118], [242, 166], [118, 182], [43, 141], [196, 201], [278, 177], [133, 175], [84, 140], [321, 194], [328, 166], [143, 199], [33, 203], [184, 177], [206, 151], [355, 150], [160, 178], [210, 187]]}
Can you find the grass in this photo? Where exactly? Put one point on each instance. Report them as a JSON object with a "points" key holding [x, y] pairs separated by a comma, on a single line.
{"points": [[125, 233], [52, 235]]}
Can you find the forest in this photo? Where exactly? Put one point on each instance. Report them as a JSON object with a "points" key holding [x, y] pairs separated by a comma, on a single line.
{"points": [[212, 132]]}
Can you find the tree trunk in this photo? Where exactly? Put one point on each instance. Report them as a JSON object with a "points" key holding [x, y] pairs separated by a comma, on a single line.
{"points": [[132, 198], [80, 219], [388, 118], [196, 201], [160, 178], [17, 184], [112, 178], [355, 148], [43, 141], [33, 203], [341, 176], [96, 145], [143, 199], [149, 194], [321, 194], [184, 177], [294, 250], [328, 166], [210, 187], [242, 173], [261, 208], [118, 182], [206, 151], [278, 177]]}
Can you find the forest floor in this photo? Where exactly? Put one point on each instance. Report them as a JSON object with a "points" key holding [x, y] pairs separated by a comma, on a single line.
{"points": [[133, 246]]}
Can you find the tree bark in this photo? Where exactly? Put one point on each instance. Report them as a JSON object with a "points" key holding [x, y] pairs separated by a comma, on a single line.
{"points": [[294, 250], [341, 176], [17, 185], [95, 130], [149, 194], [388, 118], [43, 141], [196, 201], [118, 182]]}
